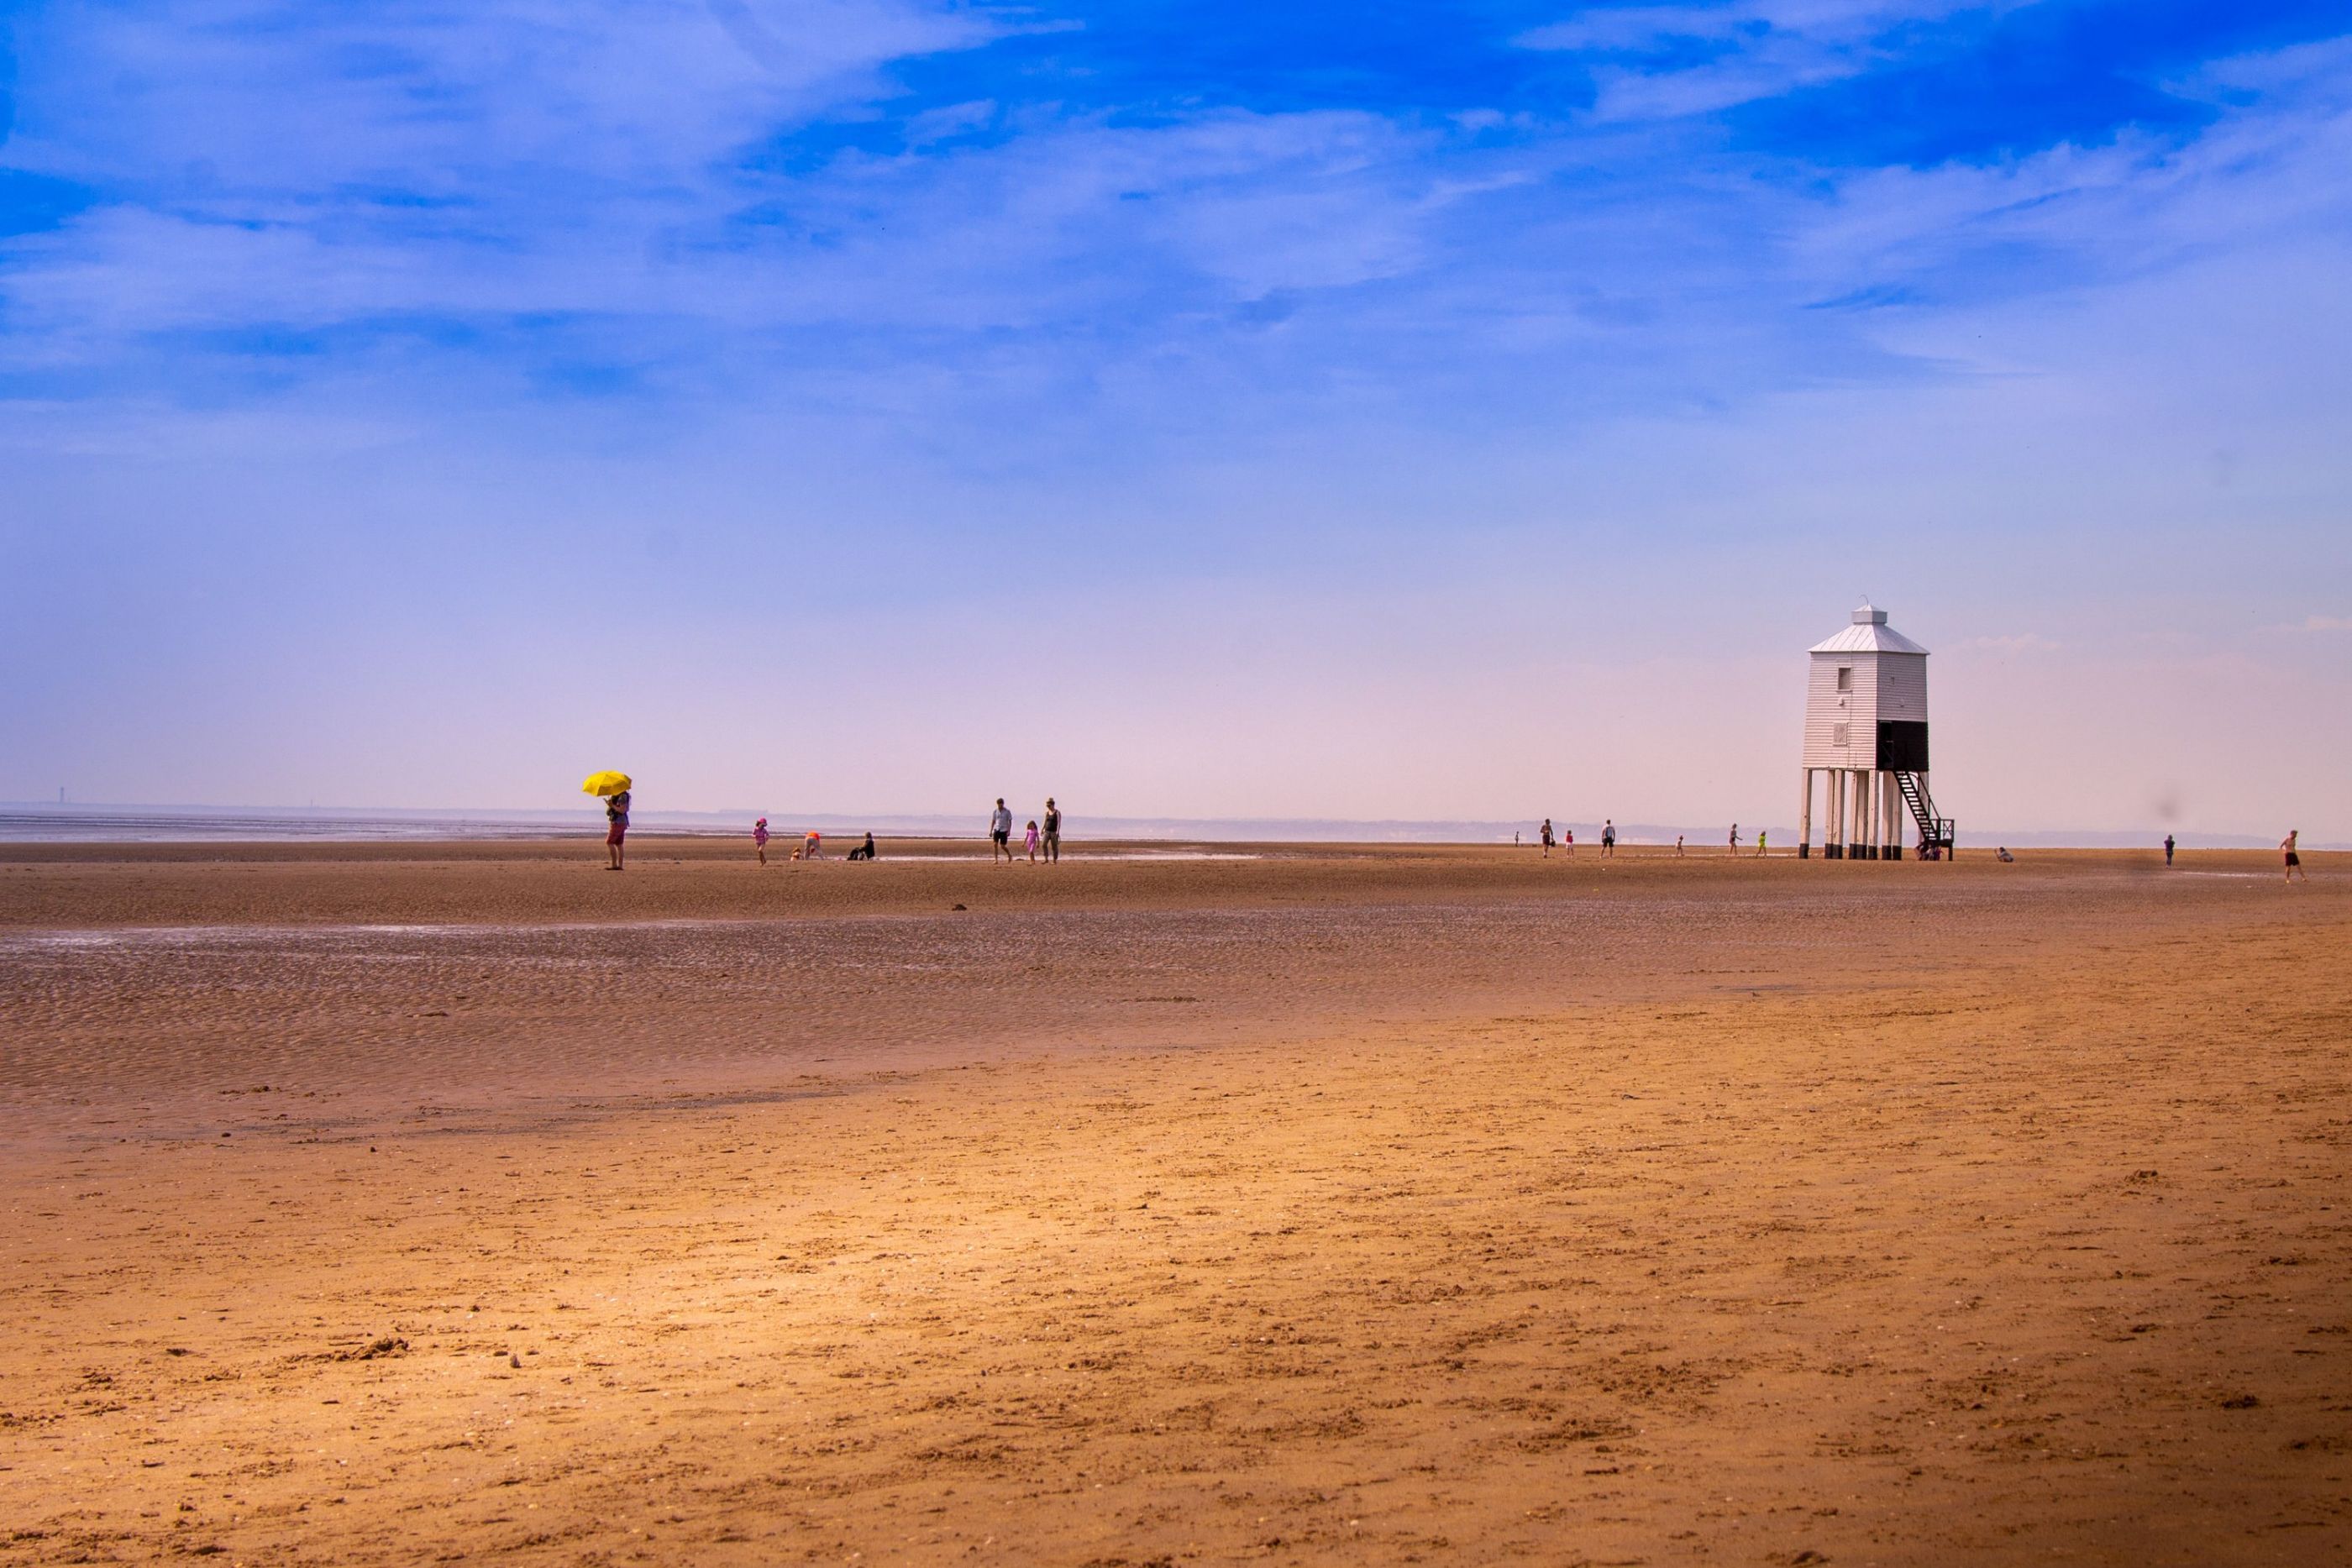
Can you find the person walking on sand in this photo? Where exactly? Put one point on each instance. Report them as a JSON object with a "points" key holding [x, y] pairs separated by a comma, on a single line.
{"points": [[1608, 839], [1544, 833], [1735, 837], [1052, 831], [1000, 833], [1029, 841], [760, 838], [1760, 836], [1678, 843], [2167, 852], [1568, 842], [616, 828], [2293, 860]]}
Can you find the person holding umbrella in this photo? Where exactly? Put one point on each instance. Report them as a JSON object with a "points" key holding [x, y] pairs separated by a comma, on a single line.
{"points": [[613, 789]]}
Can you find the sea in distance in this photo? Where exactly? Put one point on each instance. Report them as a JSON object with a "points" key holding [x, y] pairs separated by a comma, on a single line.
{"points": [[50, 822]]}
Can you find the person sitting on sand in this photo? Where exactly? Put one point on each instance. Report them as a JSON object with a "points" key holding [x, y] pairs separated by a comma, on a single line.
{"points": [[616, 828], [2002, 854], [864, 852], [2294, 859], [760, 838]]}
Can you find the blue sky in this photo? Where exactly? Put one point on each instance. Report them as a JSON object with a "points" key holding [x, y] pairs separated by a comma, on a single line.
{"points": [[1463, 411]]}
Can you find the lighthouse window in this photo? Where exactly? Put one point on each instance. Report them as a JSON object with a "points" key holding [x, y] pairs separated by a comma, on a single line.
{"points": [[1845, 678]]}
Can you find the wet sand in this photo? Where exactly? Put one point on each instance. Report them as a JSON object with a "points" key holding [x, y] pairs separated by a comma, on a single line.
{"points": [[396, 1203]]}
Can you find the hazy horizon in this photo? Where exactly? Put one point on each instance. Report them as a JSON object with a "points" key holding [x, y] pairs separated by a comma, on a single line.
{"points": [[106, 822], [1432, 414]]}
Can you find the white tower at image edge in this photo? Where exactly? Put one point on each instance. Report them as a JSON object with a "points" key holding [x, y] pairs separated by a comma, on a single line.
{"points": [[1867, 736]]}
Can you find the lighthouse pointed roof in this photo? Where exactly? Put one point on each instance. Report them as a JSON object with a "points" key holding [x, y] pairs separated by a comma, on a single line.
{"points": [[1869, 634]]}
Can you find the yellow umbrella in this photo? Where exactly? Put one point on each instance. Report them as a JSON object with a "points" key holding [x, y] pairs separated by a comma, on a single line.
{"points": [[606, 783]]}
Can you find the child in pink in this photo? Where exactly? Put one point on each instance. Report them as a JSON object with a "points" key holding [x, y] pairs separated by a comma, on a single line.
{"points": [[1030, 843], [760, 838]]}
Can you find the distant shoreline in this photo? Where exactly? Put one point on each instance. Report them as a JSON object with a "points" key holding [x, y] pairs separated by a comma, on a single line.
{"points": [[33, 822]]}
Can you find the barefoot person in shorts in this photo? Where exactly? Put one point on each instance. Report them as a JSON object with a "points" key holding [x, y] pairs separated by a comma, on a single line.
{"points": [[1052, 830], [2293, 860], [616, 827], [1000, 833]]}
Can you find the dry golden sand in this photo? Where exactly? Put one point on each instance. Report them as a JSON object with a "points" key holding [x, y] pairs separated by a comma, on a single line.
{"points": [[435, 1202]]}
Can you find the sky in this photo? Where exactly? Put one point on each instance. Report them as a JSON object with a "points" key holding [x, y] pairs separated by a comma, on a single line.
{"points": [[1467, 411]]}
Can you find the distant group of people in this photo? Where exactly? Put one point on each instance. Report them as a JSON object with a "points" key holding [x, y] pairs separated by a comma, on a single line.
{"points": [[2290, 855], [1046, 840], [812, 847], [1564, 839], [1042, 837]]}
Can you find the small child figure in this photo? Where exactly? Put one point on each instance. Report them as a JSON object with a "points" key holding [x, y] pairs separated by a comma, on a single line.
{"points": [[760, 838], [1029, 841]]}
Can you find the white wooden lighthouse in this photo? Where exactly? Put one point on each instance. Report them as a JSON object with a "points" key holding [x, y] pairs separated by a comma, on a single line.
{"points": [[1867, 736]]}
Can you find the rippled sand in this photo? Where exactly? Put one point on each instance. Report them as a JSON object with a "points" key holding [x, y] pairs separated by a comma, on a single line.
{"points": [[386, 1203]]}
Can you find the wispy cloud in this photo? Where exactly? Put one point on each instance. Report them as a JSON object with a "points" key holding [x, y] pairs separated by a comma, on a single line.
{"points": [[1664, 62], [701, 191]]}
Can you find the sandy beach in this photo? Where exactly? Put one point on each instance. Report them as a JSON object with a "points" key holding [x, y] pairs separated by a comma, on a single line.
{"points": [[404, 1203]]}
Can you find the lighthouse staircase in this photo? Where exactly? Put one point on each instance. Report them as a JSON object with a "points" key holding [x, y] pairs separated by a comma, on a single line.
{"points": [[1935, 831]]}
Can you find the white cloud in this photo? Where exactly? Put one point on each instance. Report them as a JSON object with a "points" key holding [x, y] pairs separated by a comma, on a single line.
{"points": [[1638, 27], [257, 96], [1760, 49]]}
